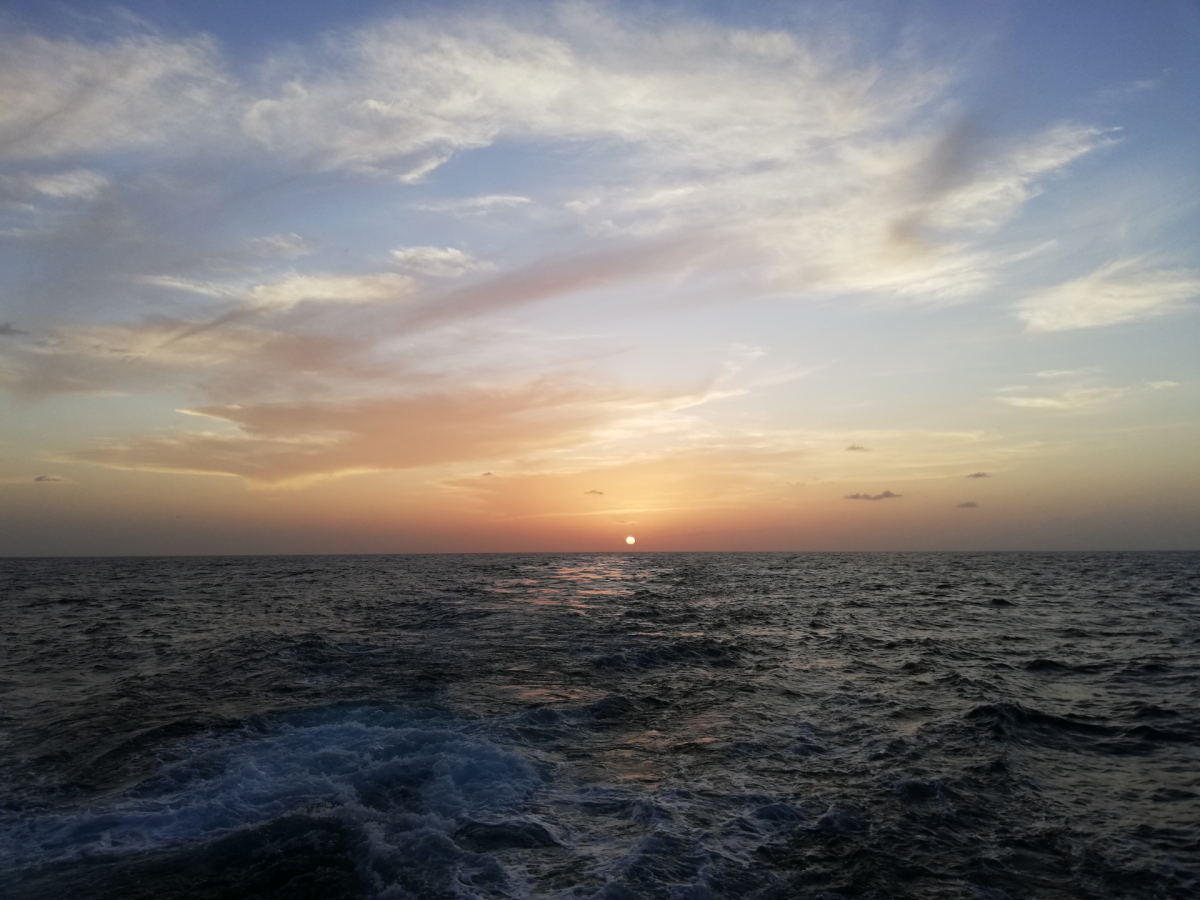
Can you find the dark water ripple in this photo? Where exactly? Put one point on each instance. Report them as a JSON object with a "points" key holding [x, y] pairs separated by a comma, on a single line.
{"points": [[615, 726]]}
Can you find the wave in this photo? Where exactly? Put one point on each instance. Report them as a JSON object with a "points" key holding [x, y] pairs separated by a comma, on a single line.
{"points": [[695, 652], [1012, 722], [358, 765]]}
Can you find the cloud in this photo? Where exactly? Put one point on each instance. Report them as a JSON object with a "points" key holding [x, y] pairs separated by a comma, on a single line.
{"points": [[551, 277], [229, 358], [376, 309], [323, 288], [979, 475], [63, 97], [869, 222], [404, 96], [1139, 86], [438, 262], [832, 175], [781, 158], [1120, 291], [35, 479], [294, 288], [1082, 397], [886, 495], [475, 206], [285, 245], [969, 504], [7, 329], [979, 187], [76, 184], [600, 493], [856, 447], [1066, 373], [296, 443]]}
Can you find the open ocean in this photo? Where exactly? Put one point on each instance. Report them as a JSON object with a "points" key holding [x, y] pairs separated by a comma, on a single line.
{"points": [[633, 725]]}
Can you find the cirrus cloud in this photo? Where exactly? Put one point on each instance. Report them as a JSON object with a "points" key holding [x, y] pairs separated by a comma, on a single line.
{"points": [[66, 97], [1120, 291], [739, 148], [1079, 398]]}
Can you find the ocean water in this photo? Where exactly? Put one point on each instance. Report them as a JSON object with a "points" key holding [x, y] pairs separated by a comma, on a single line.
{"points": [[613, 726]]}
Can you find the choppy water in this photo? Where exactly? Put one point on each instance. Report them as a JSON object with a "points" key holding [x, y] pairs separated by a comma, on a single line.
{"points": [[615, 726]]}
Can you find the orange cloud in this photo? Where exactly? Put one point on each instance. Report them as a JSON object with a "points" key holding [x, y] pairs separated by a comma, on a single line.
{"points": [[291, 443]]}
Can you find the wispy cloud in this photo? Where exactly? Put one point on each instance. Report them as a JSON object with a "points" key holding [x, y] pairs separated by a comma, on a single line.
{"points": [[856, 447], [979, 475], [231, 358], [1066, 373], [325, 288], [886, 495], [1120, 291], [284, 245], [296, 443], [1076, 399], [968, 504], [1081, 398], [553, 276], [437, 262], [1131, 88], [734, 156], [74, 184], [64, 97], [475, 206], [740, 147]]}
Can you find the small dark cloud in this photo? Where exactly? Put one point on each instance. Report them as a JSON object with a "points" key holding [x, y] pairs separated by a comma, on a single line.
{"points": [[886, 495], [486, 475], [858, 447], [7, 329], [979, 475], [969, 504], [49, 478], [601, 493]]}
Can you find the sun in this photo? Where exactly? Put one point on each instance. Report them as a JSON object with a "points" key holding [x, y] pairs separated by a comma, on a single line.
{"points": [[630, 540]]}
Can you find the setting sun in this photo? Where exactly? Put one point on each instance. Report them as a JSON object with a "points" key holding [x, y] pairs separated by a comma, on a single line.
{"points": [[630, 540]]}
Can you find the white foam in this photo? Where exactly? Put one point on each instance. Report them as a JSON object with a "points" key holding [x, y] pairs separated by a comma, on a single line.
{"points": [[411, 790], [359, 764]]}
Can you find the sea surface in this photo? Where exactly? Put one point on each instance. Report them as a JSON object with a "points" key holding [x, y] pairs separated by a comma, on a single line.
{"points": [[632, 725]]}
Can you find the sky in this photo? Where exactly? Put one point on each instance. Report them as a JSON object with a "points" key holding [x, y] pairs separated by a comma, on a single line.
{"points": [[281, 276]]}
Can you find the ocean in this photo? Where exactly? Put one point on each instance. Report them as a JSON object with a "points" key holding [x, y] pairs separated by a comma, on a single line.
{"points": [[619, 726]]}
